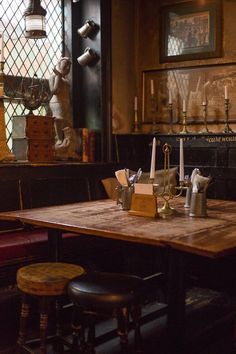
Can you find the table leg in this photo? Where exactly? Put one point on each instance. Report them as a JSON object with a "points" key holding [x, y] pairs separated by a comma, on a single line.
{"points": [[176, 302], [54, 244]]}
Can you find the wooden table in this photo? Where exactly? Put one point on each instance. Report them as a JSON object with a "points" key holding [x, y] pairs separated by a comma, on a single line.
{"points": [[214, 236]]}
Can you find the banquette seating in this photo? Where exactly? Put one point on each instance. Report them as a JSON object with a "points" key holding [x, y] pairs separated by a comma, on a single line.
{"points": [[20, 244]]}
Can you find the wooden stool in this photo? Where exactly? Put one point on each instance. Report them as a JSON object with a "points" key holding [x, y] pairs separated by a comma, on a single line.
{"points": [[45, 281], [115, 295]]}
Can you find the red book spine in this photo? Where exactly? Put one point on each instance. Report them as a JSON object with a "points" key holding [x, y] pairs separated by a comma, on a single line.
{"points": [[85, 156]]}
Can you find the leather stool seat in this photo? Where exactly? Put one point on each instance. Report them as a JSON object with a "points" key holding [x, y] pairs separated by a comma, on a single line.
{"points": [[100, 293], [105, 291], [46, 282]]}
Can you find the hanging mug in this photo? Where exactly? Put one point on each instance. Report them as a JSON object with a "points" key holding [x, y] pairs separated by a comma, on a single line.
{"points": [[86, 29], [87, 57]]}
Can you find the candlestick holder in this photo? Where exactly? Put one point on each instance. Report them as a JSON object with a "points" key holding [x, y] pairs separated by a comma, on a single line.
{"points": [[185, 129], [170, 109], [136, 125], [5, 153], [205, 129], [154, 110], [227, 128], [167, 193]]}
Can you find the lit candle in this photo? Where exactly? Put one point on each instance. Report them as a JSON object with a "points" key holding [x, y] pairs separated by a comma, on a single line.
{"points": [[170, 97], [152, 87], [226, 92], [135, 103], [153, 160], [184, 105], [1, 46], [181, 160]]}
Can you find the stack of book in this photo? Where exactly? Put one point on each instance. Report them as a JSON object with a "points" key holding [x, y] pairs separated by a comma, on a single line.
{"points": [[88, 145]]}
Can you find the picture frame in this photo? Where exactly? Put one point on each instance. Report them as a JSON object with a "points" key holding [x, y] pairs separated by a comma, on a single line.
{"points": [[193, 84], [191, 30]]}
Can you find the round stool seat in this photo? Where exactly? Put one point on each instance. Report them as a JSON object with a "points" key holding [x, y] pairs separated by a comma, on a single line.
{"points": [[105, 291], [47, 279]]}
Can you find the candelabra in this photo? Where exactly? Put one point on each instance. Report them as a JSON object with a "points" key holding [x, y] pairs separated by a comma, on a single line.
{"points": [[170, 109], [227, 128], [204, 108], [167, 193], [154, 110], [184, 130], [5, 153]]}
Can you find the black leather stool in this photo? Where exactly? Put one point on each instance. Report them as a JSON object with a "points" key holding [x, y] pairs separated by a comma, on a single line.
{"points": [[109, 294]]}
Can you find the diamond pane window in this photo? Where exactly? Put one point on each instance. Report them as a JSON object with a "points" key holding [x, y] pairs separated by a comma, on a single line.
{"points": [[28, 57]]}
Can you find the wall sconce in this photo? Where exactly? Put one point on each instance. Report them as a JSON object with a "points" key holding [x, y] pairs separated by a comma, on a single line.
{"points": [[35, 20], [87, 28], [87, 57]]}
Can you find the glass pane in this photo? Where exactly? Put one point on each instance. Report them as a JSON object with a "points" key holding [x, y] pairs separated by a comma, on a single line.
{"points": [[29, 57]]}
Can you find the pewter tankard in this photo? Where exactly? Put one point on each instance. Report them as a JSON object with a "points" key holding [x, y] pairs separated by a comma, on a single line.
{"points": [[124, 196], [198, 205]]}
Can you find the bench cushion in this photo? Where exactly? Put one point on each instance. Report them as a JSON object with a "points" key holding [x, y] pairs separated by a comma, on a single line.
{"points": [[25, 243]]}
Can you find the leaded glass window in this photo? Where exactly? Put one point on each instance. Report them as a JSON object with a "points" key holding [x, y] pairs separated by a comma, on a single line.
{"points": [[27, 58]]}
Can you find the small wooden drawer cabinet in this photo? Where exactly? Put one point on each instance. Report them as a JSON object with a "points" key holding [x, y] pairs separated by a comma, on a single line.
{"points": [[33, 138]]}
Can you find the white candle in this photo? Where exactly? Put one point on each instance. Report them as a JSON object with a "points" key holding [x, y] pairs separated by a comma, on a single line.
{"points": [[152, 87], [1, 46], [170, 97], [153, 159], [135, 103], [184, 105], [226, 92], [181, 160]]}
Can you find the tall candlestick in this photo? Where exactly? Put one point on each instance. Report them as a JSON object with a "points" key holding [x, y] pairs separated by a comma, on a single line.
{"points": [[226, 92], [1, 47], [181, 160], [153, 159], [170, 97], [135, 103], [152, 87], [184, 105]]}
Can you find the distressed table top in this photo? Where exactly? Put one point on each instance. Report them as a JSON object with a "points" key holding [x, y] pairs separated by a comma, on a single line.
{"points": [[213, 236]]}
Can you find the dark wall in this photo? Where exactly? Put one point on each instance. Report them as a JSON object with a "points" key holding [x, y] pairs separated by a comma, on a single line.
{"points": [[91, 83], [214, 155]]}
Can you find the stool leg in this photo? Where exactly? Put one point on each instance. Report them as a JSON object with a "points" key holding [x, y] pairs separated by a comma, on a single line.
{"points": [[136, 315], [122, 328], [24, 315], [91, 336], [78, 339], [44, 309], [58, 347]]}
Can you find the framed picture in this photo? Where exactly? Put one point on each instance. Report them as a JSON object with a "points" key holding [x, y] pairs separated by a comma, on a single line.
{"points": [[194, 85], [191, 30]]}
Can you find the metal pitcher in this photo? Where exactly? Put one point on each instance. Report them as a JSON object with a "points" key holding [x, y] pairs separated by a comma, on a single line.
{"points": [[198, 205]]}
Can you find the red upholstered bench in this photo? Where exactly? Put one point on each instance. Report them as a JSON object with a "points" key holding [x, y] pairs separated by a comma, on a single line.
{"points": [[25, 243], [25, 246]]}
